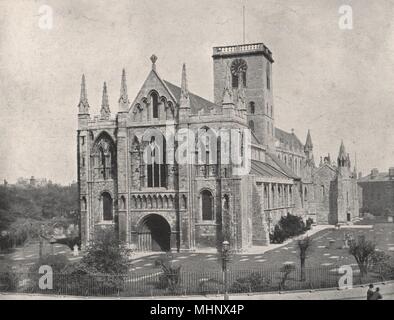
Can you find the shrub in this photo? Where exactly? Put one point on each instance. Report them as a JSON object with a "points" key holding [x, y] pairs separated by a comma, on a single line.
{"points": [[255, 282], [101, 271], [286, 270], [9, 280], [171, 276], [106, 254], [287, 227], [382, 264], [309, 223]]}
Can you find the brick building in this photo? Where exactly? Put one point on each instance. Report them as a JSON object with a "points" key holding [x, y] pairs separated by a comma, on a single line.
{"points": [[130, 177], [377, 192]]}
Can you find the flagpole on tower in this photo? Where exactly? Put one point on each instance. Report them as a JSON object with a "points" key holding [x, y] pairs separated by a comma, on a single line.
{"points": [[243, 23]]}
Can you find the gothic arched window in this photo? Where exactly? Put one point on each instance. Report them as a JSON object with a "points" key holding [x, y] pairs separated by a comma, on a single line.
{"points": [[107, 206], [156, 163], [268, 74], [122, 203], [207, 205], [104, 157], [238, 69], [83, 204], [251, 107], [155, 105]]}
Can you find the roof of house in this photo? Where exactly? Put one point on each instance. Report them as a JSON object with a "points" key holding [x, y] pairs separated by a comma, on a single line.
{"points": [[380, 177], [197, 103]]}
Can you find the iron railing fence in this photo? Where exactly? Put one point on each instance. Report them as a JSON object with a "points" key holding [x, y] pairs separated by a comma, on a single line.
{"points": [[157, 283]]}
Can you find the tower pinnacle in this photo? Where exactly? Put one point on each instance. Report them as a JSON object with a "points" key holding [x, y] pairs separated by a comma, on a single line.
{"points": [[184, 100], [105, 111], [123, 99], [343, 157], [83, 105], [308, 143]]}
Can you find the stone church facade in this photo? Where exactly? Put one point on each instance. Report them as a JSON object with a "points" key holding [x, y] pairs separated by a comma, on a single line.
{"points": [[238, 174]]}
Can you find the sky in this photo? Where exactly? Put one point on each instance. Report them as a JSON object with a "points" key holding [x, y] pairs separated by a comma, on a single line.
{"points": [[339, 83]]}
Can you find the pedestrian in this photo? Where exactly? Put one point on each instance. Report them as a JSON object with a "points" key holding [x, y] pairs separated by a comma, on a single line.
{"points": [[370, 292], [376, 295]]}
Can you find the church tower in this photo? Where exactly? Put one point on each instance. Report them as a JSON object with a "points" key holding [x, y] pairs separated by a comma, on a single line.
{"points": [[250, 68]]}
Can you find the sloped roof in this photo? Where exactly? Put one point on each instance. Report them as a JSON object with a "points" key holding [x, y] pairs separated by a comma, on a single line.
{"points": [[197, 103], [289, 138], [380, 177], [265, 170], [325, 165], [273, 160]]}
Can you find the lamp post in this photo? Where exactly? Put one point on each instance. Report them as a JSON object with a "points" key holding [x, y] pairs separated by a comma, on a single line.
{"points": [[52, 241], [225, 256]]}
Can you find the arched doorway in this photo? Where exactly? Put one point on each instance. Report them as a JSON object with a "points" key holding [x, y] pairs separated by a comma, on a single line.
{"points": [[154, 234]]}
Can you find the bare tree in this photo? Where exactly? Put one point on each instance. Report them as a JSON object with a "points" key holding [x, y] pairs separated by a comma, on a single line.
{"points": [[363, 251], [304, 246]]}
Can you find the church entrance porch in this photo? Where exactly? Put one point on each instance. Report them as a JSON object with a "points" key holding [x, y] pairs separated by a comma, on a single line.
{"points": [[154, 234]]}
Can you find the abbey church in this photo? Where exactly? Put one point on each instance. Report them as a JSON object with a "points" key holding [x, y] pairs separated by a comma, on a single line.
{"points": [[132, 178]]}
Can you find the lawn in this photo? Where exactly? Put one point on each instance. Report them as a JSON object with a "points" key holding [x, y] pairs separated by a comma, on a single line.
{"points": [[322, 255], [326, 255]]}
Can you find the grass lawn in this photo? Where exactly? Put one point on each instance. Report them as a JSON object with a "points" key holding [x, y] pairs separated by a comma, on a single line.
{"points": [[322, 262], [320, 256]]}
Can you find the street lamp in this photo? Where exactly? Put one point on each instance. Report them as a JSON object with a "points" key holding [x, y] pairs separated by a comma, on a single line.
{"points": [[225, 258]]}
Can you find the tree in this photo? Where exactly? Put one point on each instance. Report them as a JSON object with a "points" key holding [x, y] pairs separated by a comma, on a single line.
{"points": [[287, 227], [104, 267], [304, 245], [363, 251], [106, 254]]}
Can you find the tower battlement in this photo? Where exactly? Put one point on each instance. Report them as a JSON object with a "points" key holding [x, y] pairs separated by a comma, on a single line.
{"points": [[251, 48]]}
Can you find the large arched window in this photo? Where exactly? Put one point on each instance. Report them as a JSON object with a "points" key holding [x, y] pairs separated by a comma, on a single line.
{"points": [[107, 206], [155, 105], [156, 169], [104, 157], [238, 71], [207, 205], [206, 146]]}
